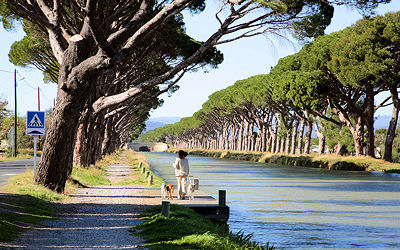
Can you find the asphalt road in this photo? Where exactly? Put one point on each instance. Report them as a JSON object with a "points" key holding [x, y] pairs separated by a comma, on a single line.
{"points": [[11, 168]]}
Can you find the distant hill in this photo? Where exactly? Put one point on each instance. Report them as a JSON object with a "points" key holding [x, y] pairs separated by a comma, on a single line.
{"points": [[153, 123]]}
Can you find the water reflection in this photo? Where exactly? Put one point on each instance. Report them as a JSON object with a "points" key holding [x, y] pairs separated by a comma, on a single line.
{"points": [[300, 208]]}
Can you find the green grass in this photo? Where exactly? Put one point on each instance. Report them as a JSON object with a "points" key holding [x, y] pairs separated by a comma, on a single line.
{"points": [[140, 179], [24, 204], [23, 184], [19, 212], [185, 229], [107, 160], [23, 153], [90, 176], [137, 178]]}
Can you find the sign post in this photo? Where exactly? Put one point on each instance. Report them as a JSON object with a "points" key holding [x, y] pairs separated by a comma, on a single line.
{"points": [[35, 124], [11, 140]]}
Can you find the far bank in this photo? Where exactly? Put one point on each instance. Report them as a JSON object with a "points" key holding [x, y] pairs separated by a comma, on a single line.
{"points": [[331, 162]]}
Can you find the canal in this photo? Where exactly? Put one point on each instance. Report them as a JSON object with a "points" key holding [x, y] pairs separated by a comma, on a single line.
{"points": [[300, 208]]}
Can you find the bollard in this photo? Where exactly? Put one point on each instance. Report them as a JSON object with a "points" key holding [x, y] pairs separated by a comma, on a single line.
{"points": [[140, 165], [222, 198], [196, 184], [147, 174], [150, 180], [165, 208], [143, 170]]}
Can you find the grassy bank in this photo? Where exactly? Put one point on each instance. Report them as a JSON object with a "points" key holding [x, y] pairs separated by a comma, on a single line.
{"points": [[331, 162], [185, 229], [24, 153], [23, 203], [138, 161]]}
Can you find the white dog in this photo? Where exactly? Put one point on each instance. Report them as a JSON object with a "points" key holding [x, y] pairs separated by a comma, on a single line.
{"points": [[190, 190], [163, 191]]}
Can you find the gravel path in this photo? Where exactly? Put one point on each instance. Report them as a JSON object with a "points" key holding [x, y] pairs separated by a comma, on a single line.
{"points": [[95, 218]]}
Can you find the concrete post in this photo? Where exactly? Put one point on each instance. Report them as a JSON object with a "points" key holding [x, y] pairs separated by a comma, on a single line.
{"points": [[165, 206], [222, 198], [150, 181], [143, 170]]}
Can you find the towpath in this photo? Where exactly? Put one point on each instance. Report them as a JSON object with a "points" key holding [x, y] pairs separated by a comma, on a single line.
{"points": [[97, 217]]}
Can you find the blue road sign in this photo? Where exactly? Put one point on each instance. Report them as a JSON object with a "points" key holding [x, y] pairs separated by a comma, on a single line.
{"points": [[35, 123]]}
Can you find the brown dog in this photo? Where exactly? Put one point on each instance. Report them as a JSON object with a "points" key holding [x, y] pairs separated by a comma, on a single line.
{"points": [[170, 191]]}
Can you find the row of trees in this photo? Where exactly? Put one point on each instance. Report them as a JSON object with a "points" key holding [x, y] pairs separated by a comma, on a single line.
{"points": [[330, 84], [111, 59]]}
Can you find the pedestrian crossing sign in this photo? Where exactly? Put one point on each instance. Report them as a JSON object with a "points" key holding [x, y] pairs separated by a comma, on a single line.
{"points": [[35, 123]]}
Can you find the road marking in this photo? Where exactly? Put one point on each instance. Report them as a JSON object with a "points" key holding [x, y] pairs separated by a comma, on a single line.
{"points": [[9, 174]]}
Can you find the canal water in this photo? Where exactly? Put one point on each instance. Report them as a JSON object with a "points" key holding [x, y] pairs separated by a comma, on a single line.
{"points": [[300, 208]]}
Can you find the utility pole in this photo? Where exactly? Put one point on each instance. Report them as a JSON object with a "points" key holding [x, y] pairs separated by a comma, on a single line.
{"points": [[15, 113], [38, 98], [38, 103]]}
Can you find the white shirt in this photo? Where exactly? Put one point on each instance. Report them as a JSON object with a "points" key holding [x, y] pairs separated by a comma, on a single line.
{"points": [[181, 166]]}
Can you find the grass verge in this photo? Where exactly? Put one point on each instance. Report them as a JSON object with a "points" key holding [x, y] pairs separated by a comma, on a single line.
{"points": [[332, 162], [185, 229], [24, 204], [23, 153], [137, 161]]}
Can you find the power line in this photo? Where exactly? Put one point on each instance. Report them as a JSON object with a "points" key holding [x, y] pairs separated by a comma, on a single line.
{"points": [[6, 71], [34, 87], [28, 84], [22, 78], [45, 97]]}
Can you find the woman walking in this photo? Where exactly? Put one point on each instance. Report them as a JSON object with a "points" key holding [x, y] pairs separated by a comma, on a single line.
{"points": [[181, 166]]}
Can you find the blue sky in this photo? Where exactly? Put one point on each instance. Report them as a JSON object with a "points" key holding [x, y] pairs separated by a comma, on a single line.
{"points": [[242, 59]]}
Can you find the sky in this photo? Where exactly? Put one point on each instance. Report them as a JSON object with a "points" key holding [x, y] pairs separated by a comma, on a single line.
{"points": [[242, 59]]}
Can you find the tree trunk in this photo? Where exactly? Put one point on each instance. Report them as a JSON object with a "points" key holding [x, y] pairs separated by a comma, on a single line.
{"points": [[294, 136], [83, 139], [391, 132], [288, 138], [245, 136], [56, 162], [251, 137], [282, 145], [307, 145], [264, 139], [301, 136], [240, 138], [369, 118], [275, 140], [321, 137], [356, 130], [288, 127], [357, 138]]}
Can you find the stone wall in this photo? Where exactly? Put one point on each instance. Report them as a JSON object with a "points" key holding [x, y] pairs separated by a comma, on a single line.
{"points": [[152, 146]]}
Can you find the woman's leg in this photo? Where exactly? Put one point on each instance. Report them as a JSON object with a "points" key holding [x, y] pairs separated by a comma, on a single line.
{"points": [[179, 192], [183, 184]]}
